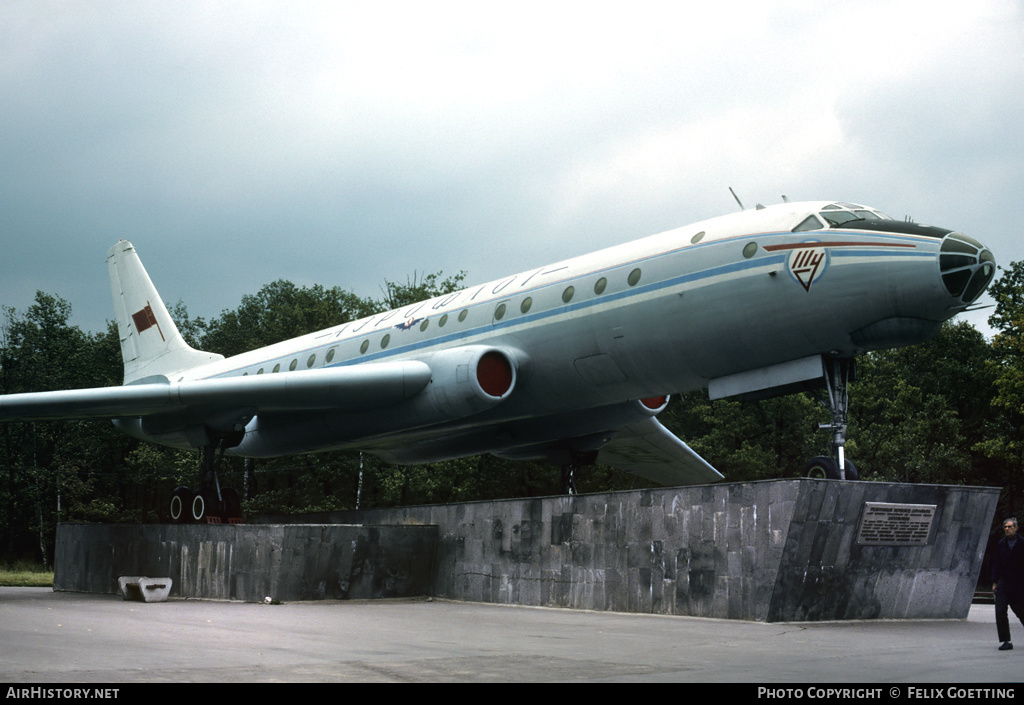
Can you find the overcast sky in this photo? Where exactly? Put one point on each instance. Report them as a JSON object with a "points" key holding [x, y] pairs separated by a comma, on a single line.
{"points": [[236, 143]]}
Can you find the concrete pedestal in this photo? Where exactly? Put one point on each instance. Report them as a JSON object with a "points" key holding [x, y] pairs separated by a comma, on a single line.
{"points": [[779, 550]]}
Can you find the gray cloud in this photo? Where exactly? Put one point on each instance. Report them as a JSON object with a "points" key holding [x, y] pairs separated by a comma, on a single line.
{"points": [[238, 143]]}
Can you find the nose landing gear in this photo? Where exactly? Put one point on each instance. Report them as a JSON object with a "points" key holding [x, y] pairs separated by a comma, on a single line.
{"points": [[838, 373]]}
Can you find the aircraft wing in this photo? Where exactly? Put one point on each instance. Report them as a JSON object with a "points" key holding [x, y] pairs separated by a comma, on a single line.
{"points": [[648, 449], [353, 388]]}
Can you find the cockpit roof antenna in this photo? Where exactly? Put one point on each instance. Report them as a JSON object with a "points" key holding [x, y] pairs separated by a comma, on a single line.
{"points": [[737, 198]]}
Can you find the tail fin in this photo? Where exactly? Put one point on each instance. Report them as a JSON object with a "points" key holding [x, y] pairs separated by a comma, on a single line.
{"points": [[151, 345]]}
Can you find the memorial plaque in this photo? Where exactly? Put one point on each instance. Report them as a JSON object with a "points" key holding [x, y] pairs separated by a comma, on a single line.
{"points": [[885, 524]]}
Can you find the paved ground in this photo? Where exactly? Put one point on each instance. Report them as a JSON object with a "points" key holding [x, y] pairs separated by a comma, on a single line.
{"points": [[48, 637]]}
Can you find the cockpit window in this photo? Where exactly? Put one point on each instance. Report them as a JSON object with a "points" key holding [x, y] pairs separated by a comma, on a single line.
{"points": [[838, 218], [838, 214], [811, 222]]}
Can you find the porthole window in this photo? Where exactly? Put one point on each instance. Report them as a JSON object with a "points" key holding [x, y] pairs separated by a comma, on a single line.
{"points": [[568, 294], [365, 346], [499, 312], [310, 360], [599, 285], [697, 238], [750, 249], [444, 319], [330, 354], [462, 314], [527, 303], [384, 341], [245, 374], [634, 277], [293, 365], [277, 367], [259, 371], [426, 322]]}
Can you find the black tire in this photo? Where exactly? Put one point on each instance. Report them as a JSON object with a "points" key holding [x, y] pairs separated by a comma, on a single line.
{"points": [[822, 468], [204, 504], [851, 470], [232, 503], [181, 500]]}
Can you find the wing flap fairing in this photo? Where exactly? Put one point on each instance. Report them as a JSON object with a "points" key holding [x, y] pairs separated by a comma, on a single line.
{"points": [[648, 449]]}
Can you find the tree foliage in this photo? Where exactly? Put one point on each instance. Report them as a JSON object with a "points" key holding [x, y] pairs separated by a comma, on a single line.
{"points": [[280, 311]]}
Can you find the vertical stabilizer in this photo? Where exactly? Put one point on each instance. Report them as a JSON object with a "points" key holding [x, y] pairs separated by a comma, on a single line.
{"points": [[151, 345]]}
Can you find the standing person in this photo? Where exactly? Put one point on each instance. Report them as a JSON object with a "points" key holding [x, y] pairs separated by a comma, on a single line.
{"points": [[1008, 580]]}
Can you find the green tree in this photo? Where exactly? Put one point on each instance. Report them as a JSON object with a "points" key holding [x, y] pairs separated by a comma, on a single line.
{"points": [[917, 412], [49, 467], [280, 311], [1004, 441], [417, 289]]}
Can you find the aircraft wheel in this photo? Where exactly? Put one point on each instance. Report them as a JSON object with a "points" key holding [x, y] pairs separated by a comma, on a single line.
{"points": [[181, 500], [822, 468], [204, 504], [851, 470], [232, 503]]}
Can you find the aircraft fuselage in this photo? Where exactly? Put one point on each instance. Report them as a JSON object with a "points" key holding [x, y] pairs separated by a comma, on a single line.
{"points": [[587, 337]]}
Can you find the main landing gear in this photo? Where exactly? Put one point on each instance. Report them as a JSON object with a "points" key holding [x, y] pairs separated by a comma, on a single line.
{"points": [[209, 503], [838, 373], [577, 459]]}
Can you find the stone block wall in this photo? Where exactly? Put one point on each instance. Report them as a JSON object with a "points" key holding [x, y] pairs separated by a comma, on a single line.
{"points": [[249, 562], [779, 550]]}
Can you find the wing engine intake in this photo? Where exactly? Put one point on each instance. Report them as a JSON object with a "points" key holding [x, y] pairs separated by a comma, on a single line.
{"points": [[470, 379]]}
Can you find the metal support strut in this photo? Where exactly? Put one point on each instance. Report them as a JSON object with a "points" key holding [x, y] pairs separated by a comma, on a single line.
{"points": [[838, 373]]}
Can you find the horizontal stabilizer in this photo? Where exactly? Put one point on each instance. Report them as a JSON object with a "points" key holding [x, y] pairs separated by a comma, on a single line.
{"points": [[355, 388], [648, 449]]}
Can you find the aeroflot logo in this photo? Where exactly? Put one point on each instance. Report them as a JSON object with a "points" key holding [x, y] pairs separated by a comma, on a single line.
{"points": [[808, 264]]}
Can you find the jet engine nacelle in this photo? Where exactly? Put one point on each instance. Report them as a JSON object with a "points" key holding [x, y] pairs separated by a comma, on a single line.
{"points": [[652, 406], [470, 379]]}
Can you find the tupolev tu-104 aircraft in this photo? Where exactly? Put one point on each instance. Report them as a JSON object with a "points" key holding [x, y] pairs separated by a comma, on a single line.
{"points": [[568, 363]]}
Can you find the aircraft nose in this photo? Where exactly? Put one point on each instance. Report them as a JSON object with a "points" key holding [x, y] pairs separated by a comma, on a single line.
{"points": [[966, 266]]}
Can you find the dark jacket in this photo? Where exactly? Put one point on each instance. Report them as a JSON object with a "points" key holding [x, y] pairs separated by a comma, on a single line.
{"points": [[1008, 566]]}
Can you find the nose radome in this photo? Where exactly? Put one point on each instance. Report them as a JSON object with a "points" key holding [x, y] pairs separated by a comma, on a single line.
{"points": [[966, 266]]}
